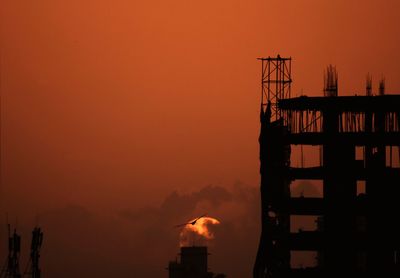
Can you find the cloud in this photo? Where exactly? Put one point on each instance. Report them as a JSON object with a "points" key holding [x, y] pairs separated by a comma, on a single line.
{"points": [[145, 239], [237, 209], [79, 242]]}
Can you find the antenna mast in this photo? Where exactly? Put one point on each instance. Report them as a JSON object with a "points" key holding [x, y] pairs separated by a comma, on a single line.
{"points": [[33, 266], [11, 269]]}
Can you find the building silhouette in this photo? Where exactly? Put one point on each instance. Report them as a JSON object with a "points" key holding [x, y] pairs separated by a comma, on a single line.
{"points": [[357, 234], [193, 264]]}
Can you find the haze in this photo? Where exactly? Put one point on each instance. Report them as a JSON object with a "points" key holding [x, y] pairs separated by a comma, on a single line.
{"points": [[122, 118]]}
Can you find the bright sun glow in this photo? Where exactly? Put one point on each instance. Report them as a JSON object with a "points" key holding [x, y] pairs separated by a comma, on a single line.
{"points": [[200, 231]]}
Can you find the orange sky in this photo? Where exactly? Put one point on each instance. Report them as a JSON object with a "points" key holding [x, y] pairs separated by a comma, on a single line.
{"points": [[112, 105]]}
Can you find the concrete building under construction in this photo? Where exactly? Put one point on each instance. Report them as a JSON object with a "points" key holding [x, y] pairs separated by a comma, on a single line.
{"points": [[358, 234]]}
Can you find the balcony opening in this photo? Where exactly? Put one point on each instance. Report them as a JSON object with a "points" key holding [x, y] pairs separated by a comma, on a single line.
{"points": [[393, 156], [360, 153], [307, 189], [304, 156], [361, 188], [303, 223]]}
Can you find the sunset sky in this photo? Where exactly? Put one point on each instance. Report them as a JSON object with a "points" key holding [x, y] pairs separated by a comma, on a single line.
{"points": [[123, 118]]}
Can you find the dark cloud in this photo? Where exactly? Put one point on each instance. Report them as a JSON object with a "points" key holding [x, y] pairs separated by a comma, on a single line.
{"points": [[177, 206], [83, 242], [236, 207], [140, 242]]}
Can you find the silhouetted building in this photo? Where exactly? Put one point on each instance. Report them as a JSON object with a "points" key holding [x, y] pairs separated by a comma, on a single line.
{"points": [[358, 234], [193, 264]]}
